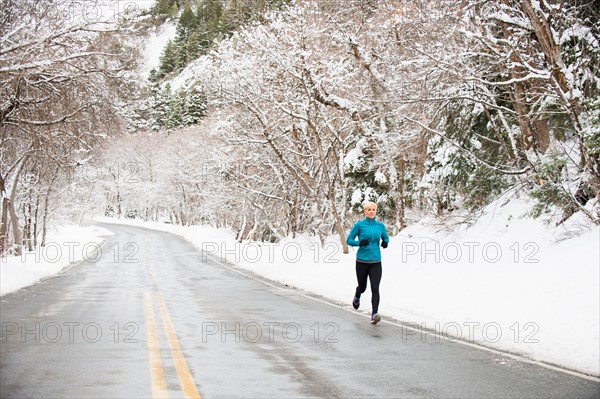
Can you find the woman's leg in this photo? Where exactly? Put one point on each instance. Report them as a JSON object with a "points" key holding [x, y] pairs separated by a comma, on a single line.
{"points": [[362, 272], [375, 272]]}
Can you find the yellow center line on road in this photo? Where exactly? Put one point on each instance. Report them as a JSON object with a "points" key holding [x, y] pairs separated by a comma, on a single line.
{"points": [[185, 376], [159, 384]]}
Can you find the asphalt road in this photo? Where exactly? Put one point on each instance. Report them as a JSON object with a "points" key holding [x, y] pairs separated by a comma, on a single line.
{"points": [[153, 318]]}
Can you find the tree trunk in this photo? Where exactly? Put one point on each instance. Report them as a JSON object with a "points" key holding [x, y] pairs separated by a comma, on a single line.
{"points": [[401, 204], [45, 216], [241, 230], [27, 230], [543, 32], [183, 207], [251, 236], [17, 236], [535, 135], [119, 210], [342, 233], [4, 218], [35, 221], [4, 226]]}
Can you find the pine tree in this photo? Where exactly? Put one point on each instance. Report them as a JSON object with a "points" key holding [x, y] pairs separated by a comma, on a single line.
{"points": [[194, 107], [213, 21], [153, 75], [176, 110], [196, 45], [162, 105], [162, 7], [186, 25], [165, 7], [168, 59]]}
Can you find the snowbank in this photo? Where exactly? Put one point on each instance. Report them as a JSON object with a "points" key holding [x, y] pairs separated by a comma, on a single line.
{"points": [[65, 246]]}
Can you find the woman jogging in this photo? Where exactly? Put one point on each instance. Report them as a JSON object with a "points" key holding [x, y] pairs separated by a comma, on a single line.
{"points": [[370, 233]]}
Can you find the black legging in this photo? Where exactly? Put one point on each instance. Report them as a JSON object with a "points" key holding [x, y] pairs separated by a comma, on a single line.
{"points": [[373, 271]]}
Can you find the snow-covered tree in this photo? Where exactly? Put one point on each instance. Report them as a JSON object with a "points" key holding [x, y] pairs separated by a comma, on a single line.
{"points": [[59, 71]]}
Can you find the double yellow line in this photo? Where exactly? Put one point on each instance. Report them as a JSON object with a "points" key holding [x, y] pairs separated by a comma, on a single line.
{"points": [[159, 383]]}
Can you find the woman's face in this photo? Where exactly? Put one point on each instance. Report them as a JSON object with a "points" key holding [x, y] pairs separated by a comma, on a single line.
{"points": [[370, 211]]}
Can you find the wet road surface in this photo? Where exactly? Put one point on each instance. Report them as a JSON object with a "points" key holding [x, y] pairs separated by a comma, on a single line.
{"points": [[153, 317]]}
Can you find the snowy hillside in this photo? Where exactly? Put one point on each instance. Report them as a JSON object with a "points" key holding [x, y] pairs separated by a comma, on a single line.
{"points": [[153, 44]]}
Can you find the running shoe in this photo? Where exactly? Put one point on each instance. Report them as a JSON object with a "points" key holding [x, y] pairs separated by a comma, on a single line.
{"points": [[375, 318]]}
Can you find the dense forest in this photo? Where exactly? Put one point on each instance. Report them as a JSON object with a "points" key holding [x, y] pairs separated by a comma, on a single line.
{"points": [[279, 117]]}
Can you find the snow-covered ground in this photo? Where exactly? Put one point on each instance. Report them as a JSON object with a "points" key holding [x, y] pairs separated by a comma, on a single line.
{"points": [[65, 246], [506, 281]]}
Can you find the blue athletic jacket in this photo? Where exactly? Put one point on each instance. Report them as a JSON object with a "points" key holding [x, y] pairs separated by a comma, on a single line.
{"points": [[372, 230]]}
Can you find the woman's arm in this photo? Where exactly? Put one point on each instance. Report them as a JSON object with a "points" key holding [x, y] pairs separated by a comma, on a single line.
{"points": [[351, 240], [384, 235]]}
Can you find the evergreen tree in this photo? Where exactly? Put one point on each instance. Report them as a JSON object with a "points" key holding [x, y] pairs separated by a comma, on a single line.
{"points": [[186, 25], [168, 59], [196, 44], [153, 75], [211, 21], [161, 7], [214, 20], [194, 107], [186, 39], [165, 7], [175, 113], [163, 108], [162, 105]]}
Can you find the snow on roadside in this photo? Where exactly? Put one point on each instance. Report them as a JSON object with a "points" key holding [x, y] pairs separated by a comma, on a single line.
{"points": [[504, 282], [66, 245]]}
